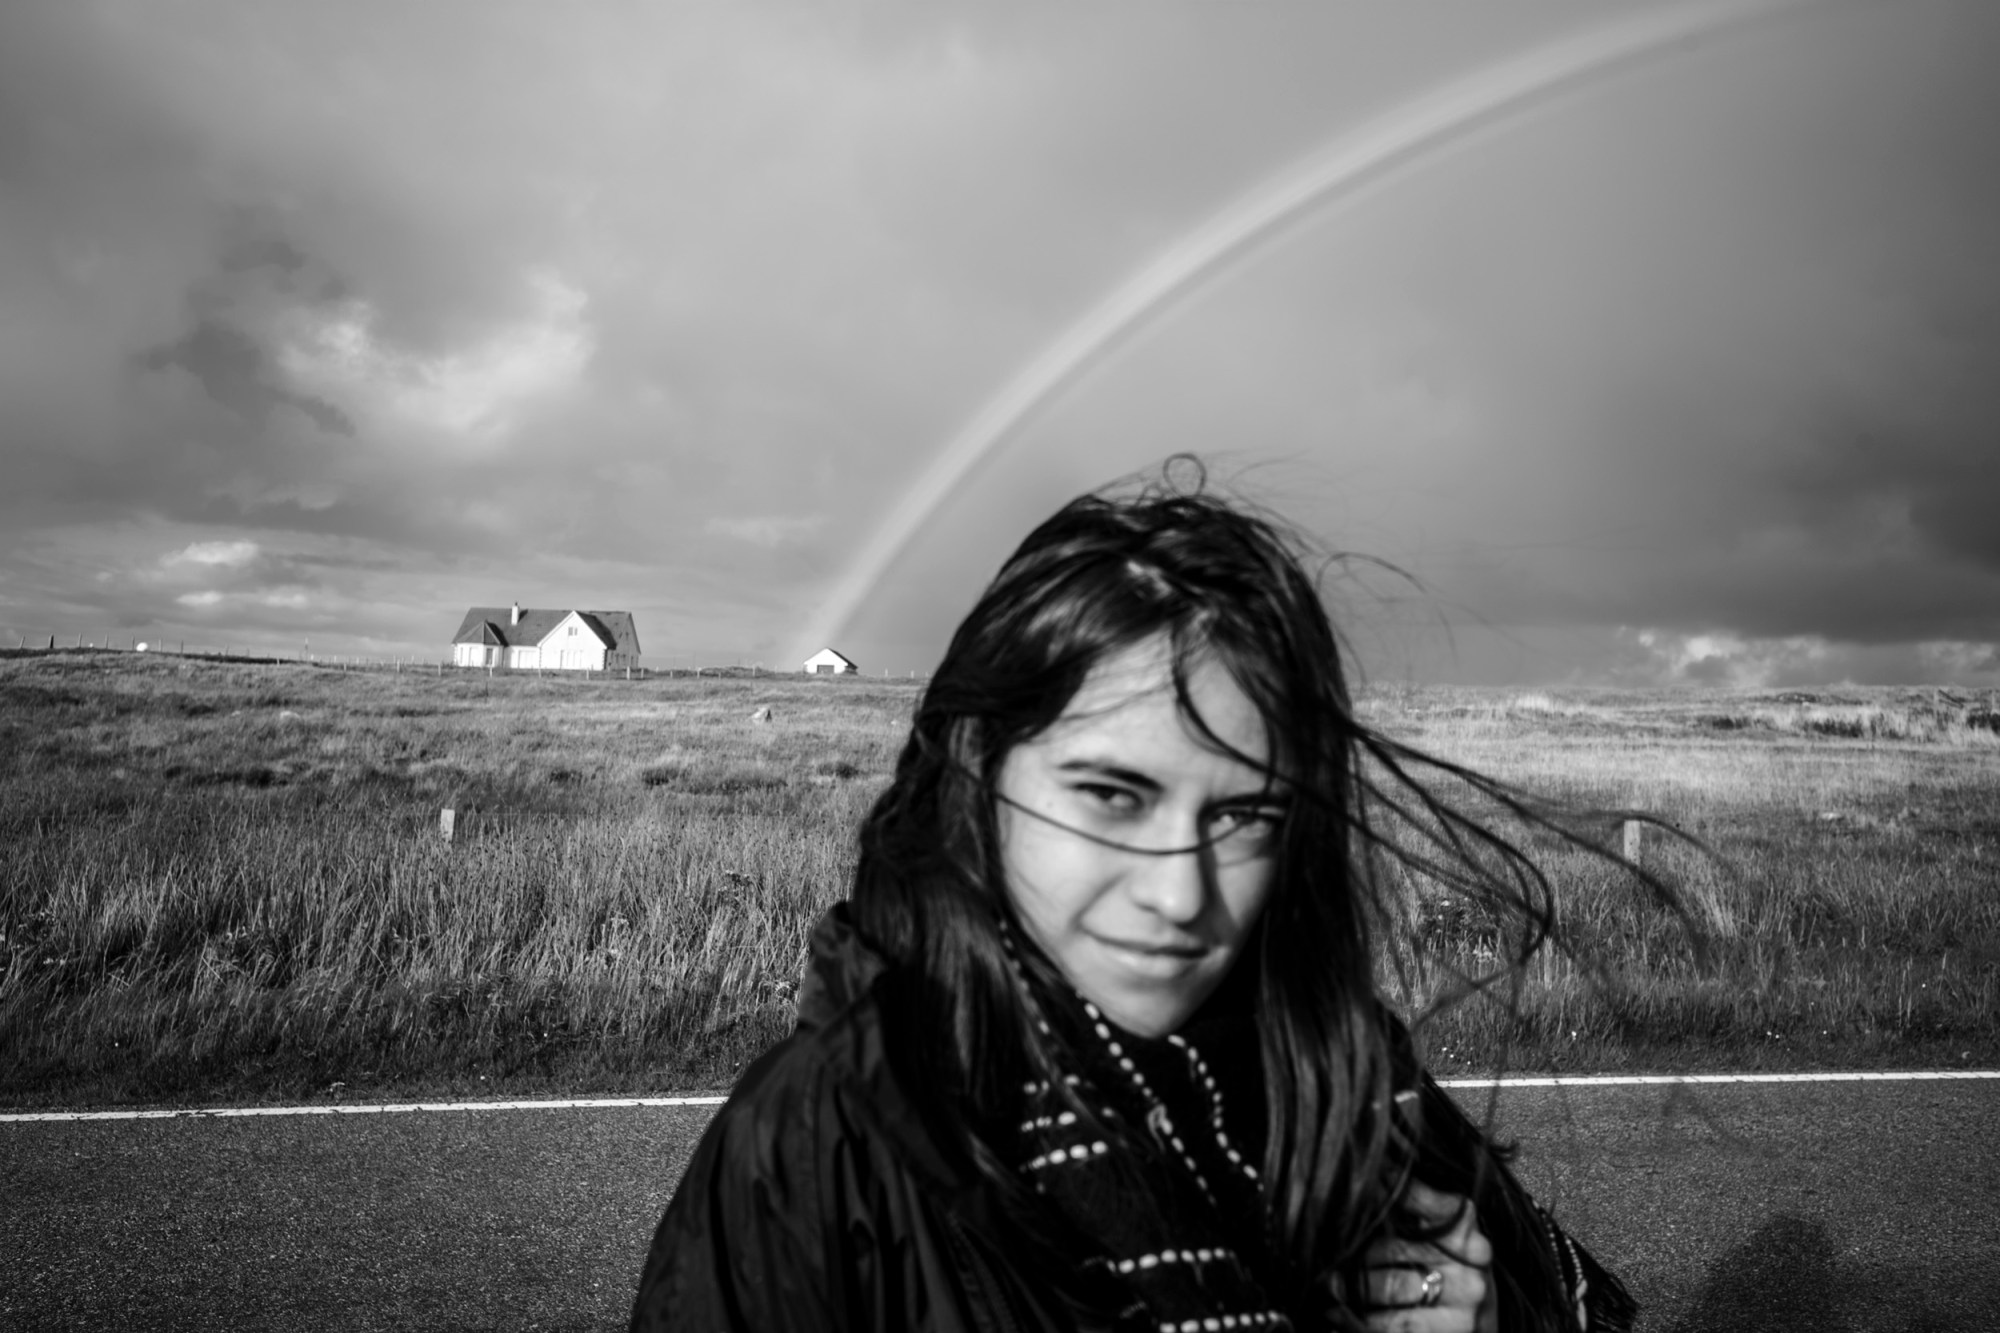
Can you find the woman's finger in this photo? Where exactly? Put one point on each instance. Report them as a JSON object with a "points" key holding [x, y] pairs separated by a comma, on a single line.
{"points": [[1467, 1243], [1464, 1240], [1474, 1251], [1440, 1320], [1433, 1205], [1396, 1286]]}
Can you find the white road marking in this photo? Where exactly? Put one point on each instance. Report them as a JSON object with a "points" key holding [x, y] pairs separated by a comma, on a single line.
{"points": [[616, 1103], [1641, 1080], [394, 1108]]}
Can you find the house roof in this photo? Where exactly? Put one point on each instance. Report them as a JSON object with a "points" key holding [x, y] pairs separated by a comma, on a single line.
{"points": [[620, 635], [490, 625], [825, 653]]}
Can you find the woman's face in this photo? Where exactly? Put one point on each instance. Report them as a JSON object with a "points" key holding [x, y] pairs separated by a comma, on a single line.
{"points": [[1146, 938]]}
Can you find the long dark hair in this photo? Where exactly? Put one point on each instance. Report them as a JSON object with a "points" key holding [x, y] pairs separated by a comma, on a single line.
{"points": [[1217, 580]]}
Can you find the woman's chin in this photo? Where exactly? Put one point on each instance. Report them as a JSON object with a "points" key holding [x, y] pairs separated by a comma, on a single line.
{"points": [[1150, 1011], [1149, 992]]}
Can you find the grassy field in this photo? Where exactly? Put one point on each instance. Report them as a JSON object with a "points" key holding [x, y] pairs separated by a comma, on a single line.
{"points": [[227, 880], [1847, 908]]}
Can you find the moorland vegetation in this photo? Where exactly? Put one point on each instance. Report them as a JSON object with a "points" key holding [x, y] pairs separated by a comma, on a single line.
{"points": [[224, 880]]}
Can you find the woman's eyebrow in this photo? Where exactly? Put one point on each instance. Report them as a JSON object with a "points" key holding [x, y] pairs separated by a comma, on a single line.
{"points": [[1270, 797], [1276, 798], [1104, 768]]}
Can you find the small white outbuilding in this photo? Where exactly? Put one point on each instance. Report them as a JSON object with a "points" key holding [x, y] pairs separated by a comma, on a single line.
{"points": [[827, 662]]}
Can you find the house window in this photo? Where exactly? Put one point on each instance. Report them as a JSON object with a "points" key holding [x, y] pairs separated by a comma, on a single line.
{"points": [[572, 630]]}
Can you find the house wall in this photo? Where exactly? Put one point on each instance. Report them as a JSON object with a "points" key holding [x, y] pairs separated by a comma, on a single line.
{"points": [[614, 660], [572, 646], [474, 655], [825, 664]]}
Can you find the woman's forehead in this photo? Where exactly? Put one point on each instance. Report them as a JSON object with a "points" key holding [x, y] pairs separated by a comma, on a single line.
{"points": [[1128, 704]]}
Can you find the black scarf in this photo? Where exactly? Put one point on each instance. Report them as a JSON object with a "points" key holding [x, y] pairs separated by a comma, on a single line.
{"points": [[1150, 1147]]}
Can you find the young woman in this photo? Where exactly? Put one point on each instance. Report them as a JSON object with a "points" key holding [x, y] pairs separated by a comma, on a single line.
{"points": [[1096, 1042]]}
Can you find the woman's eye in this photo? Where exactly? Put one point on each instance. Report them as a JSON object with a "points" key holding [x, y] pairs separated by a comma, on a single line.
{"points": [[1115, 799], [1247, 823]]}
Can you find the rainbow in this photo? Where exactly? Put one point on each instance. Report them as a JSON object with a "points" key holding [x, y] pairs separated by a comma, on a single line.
{"points": [[1397, 140]]}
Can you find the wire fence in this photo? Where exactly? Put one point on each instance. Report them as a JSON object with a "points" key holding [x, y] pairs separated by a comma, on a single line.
{"points": [[17, 640]]}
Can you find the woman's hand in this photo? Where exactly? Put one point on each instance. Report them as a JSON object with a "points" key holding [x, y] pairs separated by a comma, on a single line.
{"points": [[1444, 1287]]}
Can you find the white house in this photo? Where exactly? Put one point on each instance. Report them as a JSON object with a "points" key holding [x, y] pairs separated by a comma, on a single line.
{"points": [[502, 636], [827, 662]]}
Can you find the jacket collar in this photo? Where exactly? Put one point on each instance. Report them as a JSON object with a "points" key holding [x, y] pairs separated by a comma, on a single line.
{"points": [[844, 968], [839, 1001]]}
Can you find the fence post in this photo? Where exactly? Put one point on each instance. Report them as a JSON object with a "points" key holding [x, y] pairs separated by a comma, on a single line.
{"points": [[1635, 840], [447, 820]]}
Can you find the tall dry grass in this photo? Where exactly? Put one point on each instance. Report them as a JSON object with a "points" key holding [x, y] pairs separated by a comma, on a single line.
{"points": [[223, 879], [1839, 878], [227, 880]]}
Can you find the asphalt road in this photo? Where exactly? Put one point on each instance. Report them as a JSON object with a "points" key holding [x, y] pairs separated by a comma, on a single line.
{"points": [[1821, 1207]]}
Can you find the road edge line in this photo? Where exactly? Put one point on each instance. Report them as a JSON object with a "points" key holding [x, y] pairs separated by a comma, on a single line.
{"points": [[622, 1103]]}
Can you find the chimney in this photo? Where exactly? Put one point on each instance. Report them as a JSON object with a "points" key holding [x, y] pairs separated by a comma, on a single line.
{"points": [[517, 614]]}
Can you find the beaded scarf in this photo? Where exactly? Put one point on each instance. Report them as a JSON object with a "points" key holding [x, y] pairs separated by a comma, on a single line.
{"points": [[1158, 1172], [1163, 1173]]}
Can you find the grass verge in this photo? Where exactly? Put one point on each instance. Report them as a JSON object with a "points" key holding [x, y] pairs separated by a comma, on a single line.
{"points": [[225, 881]]}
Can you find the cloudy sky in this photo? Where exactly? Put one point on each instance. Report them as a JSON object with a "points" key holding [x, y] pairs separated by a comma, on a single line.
{"points": [[319, 323]]}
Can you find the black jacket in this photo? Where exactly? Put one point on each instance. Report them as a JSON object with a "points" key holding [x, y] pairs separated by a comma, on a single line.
{"points": [[819, 1199]]}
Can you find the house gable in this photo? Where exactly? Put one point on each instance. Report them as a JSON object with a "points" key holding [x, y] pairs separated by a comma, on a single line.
{"points": [[826, 660], [482, 624], [559, 635]]}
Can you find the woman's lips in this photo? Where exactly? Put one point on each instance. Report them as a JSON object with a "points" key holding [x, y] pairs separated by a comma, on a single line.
{"points": [[1165, 955]]}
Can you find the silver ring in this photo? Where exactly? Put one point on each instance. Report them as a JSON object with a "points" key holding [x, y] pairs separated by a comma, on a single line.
{"points": [[1433, 1290]]}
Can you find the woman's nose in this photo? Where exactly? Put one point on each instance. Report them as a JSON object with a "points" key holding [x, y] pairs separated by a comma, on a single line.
{"points": [[1173, 885]]}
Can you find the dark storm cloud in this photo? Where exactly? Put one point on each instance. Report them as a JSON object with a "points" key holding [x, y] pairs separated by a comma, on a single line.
{"points": [[467, 301], [237, 374], [1704, 354], [254, 252]]}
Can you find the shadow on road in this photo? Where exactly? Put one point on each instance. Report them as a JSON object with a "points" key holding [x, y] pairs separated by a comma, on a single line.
{"points": [[1788, 1278]]}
